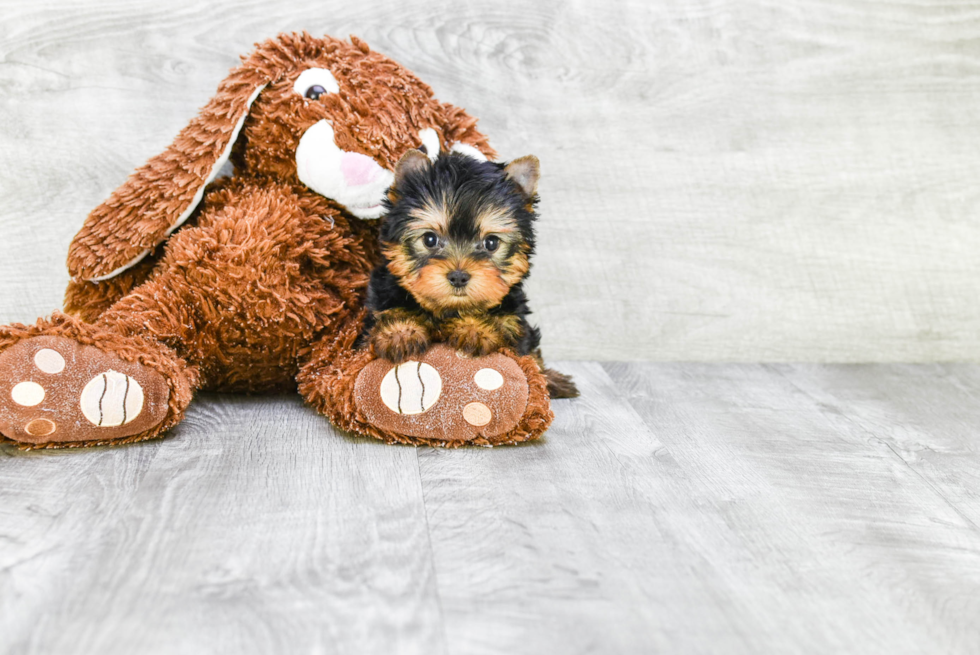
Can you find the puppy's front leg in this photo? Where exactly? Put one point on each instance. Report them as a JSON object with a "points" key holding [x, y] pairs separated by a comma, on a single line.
{"points": [[400, 334], [482, 335]]}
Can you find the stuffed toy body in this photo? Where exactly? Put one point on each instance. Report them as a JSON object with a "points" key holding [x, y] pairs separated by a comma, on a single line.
{"points": [[184, 281]]}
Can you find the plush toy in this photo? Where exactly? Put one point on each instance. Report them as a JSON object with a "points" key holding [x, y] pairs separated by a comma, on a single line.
{"points": [[183, 280]]}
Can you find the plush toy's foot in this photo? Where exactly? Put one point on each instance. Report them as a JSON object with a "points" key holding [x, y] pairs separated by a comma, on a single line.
{"points": [[439, 399], [443, 395], [53, 389], [446, 397], [64, 383]]}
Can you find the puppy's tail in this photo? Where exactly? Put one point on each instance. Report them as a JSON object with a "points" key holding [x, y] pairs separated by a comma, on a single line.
{"points": [[559, 384]]}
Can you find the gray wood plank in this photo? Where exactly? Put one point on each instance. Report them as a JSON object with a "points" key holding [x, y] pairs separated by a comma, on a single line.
{"points": [[823, 533], [254, 528], [693, 508], [560, 546], [721, 181], [927, 415]]}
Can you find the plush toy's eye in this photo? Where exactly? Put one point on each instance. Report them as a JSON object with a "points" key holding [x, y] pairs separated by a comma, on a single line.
{"points": [[315, 92], [491, 242], [314, 82], [430, 240]]}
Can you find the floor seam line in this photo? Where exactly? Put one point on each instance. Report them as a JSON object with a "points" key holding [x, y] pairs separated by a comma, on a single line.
{"points": [[432, 554]]}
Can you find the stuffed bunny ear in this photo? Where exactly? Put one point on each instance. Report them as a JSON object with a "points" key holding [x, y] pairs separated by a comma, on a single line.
{"points": [[161, 195]]}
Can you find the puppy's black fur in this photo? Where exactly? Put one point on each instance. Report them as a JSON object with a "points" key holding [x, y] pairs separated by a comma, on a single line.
{"points": [[457, 239]]}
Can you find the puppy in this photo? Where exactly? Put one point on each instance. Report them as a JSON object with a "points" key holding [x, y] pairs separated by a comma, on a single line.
{"points": [[457, 240]]}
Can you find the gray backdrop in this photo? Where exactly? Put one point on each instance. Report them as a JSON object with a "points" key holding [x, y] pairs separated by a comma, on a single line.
{"points": [[722, 180]]}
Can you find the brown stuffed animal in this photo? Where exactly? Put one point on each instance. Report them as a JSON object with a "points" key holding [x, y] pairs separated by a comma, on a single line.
{"points": [[261, 281]]}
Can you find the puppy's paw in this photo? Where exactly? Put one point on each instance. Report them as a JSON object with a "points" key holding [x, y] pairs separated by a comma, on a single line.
{"points": [[474, 337], [399, 341]]}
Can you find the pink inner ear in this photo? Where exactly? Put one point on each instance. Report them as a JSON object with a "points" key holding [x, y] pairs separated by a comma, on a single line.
{"points": [[358, 169]]}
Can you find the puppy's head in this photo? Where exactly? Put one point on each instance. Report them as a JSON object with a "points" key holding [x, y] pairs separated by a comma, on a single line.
{"points": [[459, 232]]}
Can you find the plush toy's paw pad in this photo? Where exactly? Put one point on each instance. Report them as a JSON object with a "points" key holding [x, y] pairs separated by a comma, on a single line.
{"points": [[53, 389], [411, 388], [444, 396]]}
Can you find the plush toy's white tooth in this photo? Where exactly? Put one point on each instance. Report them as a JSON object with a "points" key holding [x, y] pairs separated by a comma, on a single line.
{"points": [[468, 150], [430, 140], [111, 399], [411, 388]]}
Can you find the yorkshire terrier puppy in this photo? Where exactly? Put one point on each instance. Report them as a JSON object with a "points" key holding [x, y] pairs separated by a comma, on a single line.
{"points": [[457, 239]]}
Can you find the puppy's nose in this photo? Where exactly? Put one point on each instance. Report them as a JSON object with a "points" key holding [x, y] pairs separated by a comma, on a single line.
{"points": [[458, 278]]}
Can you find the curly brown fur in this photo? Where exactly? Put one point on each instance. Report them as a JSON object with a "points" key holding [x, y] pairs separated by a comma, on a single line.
{"points": [[244, 293]]}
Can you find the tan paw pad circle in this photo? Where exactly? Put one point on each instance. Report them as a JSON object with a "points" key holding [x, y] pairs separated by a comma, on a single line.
{"points": [[477, 414], [27, 394], [111, 399], [411, 388], [50, 361], [40, 427]]}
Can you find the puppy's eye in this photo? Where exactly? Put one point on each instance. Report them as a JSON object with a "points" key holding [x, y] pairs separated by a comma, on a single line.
{"points": [[491, 243], [314, 92], [430, 240]]}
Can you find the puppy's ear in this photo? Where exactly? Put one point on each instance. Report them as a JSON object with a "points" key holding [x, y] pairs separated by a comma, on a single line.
{"points": [[525, 171], [411, 161], [163, 193]]}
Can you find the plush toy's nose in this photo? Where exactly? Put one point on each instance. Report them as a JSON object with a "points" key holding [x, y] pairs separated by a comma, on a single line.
{"points": [[358, 169], [458, 278]]}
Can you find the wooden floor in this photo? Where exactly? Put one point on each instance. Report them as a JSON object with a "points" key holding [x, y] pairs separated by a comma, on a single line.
{"points": [[681, 508]]}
